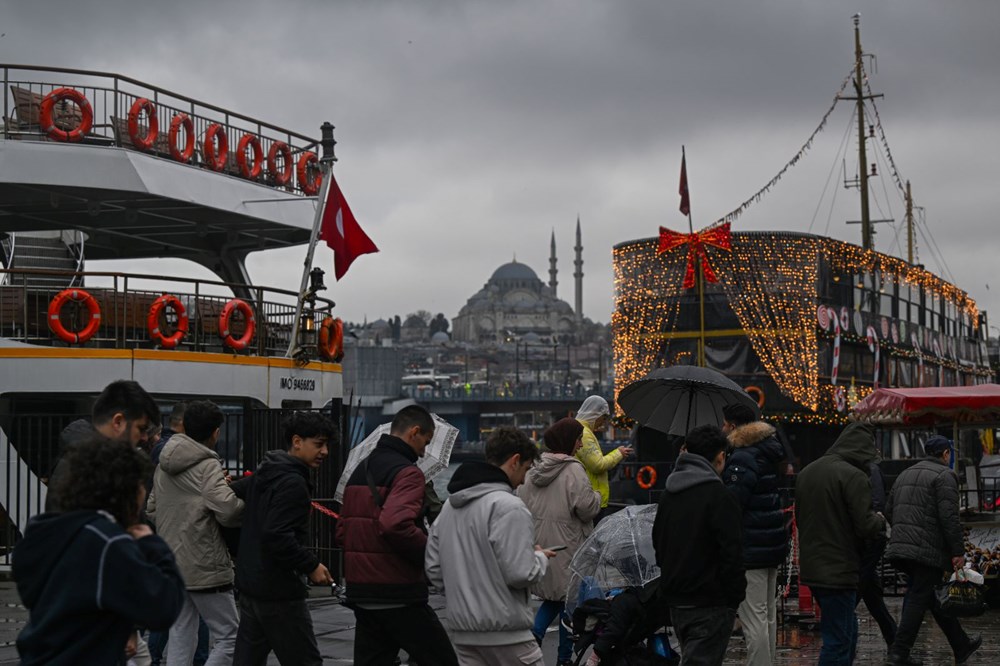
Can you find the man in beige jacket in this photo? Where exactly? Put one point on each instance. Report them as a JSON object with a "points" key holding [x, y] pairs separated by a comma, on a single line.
{"points": [[190, 499]]}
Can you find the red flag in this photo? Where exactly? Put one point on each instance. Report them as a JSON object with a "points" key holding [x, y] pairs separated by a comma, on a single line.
{"points": [[341, 231], [685, 197]]}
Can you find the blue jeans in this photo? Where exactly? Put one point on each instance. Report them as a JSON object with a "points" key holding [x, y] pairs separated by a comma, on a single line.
{"points": [[838, 625], [548, 611]]}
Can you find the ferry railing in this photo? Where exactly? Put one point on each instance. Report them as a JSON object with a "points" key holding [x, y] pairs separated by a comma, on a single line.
{"points": [[111, 96], [125, 300]]}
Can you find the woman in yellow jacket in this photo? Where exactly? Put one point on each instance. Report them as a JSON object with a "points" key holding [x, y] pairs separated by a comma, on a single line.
{"points": [[594, 415]]}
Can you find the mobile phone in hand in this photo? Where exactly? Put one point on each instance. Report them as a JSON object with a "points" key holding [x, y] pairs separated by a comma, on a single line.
{"points": [[555, 549]]}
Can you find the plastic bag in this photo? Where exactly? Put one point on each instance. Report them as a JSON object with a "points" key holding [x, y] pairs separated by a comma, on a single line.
{"points": [[960, 598], [968, 574]]}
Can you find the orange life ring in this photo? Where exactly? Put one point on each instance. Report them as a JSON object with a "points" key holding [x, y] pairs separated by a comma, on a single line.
{"points": [[153, 321], [756, 392], [215, 161], [86, 115], [310, 186], [239, 344], [143, 142], [331, 339], [79, 296], [251, 172], [182, 120], [646, 477], [282, 177]]}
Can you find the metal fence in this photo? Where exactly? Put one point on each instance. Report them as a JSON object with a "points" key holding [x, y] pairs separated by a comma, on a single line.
{"points": [[125, 304], [29, 449], [112, 97]]}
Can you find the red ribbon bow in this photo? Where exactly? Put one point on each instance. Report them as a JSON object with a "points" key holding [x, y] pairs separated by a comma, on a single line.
{"points": [[715, 236]]}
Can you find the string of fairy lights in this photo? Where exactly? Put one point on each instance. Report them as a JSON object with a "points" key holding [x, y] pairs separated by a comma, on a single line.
{"points": [[771, 282]]}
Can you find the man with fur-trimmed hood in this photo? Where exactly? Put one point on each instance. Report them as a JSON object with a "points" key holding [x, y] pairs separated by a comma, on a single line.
{"points": [[751, 476]]}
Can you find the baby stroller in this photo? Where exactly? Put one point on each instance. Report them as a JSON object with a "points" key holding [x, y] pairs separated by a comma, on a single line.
{"points": [[624, 628]]}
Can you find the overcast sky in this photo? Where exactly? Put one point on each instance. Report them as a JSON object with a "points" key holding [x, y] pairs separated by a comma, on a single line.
{"points": [[469, 131]]}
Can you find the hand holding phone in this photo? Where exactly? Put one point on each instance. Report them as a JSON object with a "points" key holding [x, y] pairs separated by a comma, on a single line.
{"points": [[555, 549]]}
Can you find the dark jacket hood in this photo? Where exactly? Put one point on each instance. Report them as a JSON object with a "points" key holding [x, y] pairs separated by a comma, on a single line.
{"points": [[276, 464], [749, 434], [472, 474], [76, 432], [856, 445], [691, 470], [46, 539]]}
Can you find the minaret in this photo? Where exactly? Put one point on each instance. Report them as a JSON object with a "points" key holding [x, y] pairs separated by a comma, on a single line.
{"points": [[579, 271], [553, 282]]}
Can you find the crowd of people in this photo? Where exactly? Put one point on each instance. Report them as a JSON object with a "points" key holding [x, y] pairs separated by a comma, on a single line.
{"points": [[215, 570]]}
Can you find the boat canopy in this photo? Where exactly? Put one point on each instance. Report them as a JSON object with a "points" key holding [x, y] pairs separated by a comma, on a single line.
{"points": [[932, 405]]}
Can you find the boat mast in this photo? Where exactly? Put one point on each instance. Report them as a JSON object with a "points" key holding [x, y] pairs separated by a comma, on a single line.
{"points": [[866, 225], [909, 224]]}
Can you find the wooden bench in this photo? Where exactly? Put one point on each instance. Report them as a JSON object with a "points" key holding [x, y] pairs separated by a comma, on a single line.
{"points": [[28, 105], [160, 147]]}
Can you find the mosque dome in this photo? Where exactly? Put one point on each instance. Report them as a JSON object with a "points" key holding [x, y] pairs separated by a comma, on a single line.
{"points": [[513, 271]]}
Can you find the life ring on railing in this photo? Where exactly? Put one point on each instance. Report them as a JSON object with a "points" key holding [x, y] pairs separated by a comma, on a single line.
{"points": [[247, 171], [152, 131], [153, 321], [310, 186], [282, 177], [181, 120], [645, 478], [757, 393], [215, 161], [45, 115], [331, 339], [239, 344], [78, 296]]}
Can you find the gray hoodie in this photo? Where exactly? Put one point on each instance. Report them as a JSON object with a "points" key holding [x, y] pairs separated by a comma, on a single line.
{"points": [[481, 555], [190, 499], [690, 471]]}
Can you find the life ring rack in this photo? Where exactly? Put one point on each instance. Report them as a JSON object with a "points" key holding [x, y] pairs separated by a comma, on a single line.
{"points": [[240, 343], [93, 310], [48, 125], [153, 125], [307, 162], [757, 393], [331, 339], [645, 478], [153, 321]]}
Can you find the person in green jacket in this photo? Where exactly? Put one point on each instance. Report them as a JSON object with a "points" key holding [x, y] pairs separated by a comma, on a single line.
{"points": [[594, 415]]}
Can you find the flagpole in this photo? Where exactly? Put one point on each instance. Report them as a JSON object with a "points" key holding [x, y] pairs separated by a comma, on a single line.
{"points": [[701, 273], [326, 168]]}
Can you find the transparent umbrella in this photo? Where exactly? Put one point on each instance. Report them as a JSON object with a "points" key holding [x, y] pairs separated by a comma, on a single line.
{"points": [[435, 458], [619, 553]]}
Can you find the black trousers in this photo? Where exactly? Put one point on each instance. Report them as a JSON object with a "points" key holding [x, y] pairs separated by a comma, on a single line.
{"points": [[380, 634], [704, 633], [919, 598], [284, 627], [870, 589]]}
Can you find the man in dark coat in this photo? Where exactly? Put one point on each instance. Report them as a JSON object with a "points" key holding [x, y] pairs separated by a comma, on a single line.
{"points": [[833, 509], [273, 559], [751, 474], [382, 532], [696, 535], [926, 541]]}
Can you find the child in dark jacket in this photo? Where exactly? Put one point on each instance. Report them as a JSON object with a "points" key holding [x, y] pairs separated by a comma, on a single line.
{"points": [[91, 574]]}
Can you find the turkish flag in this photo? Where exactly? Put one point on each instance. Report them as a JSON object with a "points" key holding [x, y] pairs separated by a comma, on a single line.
{"points": [[341, 231]]}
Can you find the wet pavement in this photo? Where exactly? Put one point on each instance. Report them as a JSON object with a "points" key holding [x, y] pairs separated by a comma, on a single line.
{"points": [[798, 642]]}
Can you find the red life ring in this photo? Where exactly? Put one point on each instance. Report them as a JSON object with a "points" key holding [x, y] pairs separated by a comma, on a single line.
{"points": [[215, 161], [282, 177], [331, 339], [756, 392], [239, 344], [182, 120], [258, 156], [153, 321], [86, 115], [310, 186], [79, 296], [143, 142], [645, 478]]}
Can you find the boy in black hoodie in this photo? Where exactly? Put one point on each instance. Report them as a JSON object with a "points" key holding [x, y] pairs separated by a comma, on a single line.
{"points": [[90, 574], [697, 538], [273, 563]]}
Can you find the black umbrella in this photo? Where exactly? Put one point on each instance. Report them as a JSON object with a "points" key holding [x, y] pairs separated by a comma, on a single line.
{"points": [[675, 399]]}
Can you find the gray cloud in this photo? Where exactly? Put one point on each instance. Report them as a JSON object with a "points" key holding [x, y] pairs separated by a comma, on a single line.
{"points": [[470, 130]]}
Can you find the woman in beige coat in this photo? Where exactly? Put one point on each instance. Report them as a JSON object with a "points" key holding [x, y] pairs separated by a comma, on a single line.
{"points": [[563, 504]]}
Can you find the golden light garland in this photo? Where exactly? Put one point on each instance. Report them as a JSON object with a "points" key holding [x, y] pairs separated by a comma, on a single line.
{"points": [[771, 282]]}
